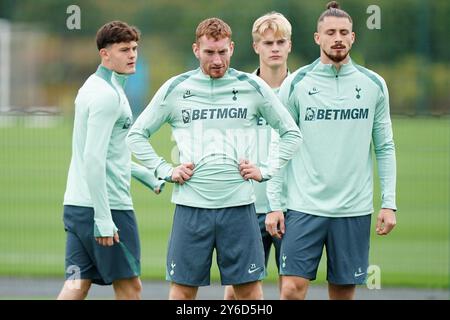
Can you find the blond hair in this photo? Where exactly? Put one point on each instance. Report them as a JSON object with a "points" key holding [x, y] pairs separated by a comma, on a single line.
{"points": [[274, 21]]}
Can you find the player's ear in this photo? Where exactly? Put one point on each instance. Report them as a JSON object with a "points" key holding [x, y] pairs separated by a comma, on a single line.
{"points": [[196, 50], [231, 48], [104, 54], [317, 38], [255, 47]]}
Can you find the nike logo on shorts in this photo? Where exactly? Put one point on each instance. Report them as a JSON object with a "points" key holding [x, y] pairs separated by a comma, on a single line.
{"points": [[253, 270]]}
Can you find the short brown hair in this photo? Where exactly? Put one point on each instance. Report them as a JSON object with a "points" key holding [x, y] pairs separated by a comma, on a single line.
{"points": [[213, 28], [333, 10], [116, 32]]}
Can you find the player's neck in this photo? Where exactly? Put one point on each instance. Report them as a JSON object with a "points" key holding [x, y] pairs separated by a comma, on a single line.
{"points": [[326, 60], [274, 77], [107, 65]]}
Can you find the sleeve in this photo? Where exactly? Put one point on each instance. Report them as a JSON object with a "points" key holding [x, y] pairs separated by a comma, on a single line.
{"points": [[289, 101], [385, 150], [146, 177], [274, 192], [290, 137], [275, 185], [151, 119], [103, 114]]}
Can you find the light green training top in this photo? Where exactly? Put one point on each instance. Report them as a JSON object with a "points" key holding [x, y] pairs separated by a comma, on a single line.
{"points": [[342, 116], [214, 123], [100, 168], [267, 139]]}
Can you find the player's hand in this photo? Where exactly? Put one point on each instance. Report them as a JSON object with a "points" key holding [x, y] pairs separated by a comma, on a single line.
{"points": [[275, 224], [249, 170], [157, 189], [386, 221], [108, 241], [183, 172]]}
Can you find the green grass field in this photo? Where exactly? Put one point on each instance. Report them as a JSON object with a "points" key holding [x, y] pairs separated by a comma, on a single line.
{"points": [[34, 163]]}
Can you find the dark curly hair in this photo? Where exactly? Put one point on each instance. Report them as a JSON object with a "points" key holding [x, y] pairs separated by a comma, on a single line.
{"points": [[116, 32]]}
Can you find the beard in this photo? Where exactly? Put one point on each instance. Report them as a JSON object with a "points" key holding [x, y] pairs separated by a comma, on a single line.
{"points": [[336, 57]]}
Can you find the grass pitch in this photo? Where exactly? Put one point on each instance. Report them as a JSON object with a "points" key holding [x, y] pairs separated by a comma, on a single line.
{"points": [[34, 163]]}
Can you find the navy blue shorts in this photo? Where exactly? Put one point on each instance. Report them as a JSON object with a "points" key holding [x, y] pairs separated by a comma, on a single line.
{"points": [[346, 241], [234, 234], [86, 259], [268, 240]]}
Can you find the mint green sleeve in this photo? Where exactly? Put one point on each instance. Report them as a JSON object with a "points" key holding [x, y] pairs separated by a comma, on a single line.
{"points": [[290, 137], [275, 185], [151, 119], [103, 114], [146, 177], [289, 101], [384, 148]]}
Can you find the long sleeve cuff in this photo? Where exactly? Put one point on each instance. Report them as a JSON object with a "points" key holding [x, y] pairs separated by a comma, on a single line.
{"points": [[164, 172], [264, 173], [388, 202], [104, 228]]}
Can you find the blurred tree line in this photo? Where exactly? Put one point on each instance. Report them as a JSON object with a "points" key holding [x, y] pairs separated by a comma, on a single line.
{"points": [[410, 49]]}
